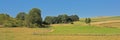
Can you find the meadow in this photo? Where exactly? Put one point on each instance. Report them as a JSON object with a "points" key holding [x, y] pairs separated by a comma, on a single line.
{"points": [[76, 31]]}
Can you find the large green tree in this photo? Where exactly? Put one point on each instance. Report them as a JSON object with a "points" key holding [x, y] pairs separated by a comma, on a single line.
{"points": [[34, 18], [21, 16]]}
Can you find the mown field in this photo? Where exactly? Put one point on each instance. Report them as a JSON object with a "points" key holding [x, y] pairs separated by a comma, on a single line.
{"points": [[61, 32], [77, 31], [108, 21], [104, 18]]}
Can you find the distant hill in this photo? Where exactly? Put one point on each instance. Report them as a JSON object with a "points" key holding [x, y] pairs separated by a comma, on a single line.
{"points": [[113, 21], [102, 18], [98, 19]]}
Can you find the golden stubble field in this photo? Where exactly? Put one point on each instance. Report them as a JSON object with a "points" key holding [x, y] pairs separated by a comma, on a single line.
{"points": [[54, 37], [34, 34], [111, 23]]}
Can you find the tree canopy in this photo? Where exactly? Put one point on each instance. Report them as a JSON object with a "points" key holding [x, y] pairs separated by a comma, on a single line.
{"points": [[64, 18], [88, 21], [21, 16], [34, 17]]}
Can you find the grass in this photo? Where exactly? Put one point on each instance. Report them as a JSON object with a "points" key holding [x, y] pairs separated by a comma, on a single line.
{"points": [[77, 31], [112, 24], [59, 33], [100, 19], [54, 37], [85, 30], [82, 28], [65, 29]]}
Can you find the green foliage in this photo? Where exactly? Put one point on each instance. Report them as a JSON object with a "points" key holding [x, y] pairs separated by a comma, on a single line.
{"points": [[14, 23], [61, 19], [74, 17], [33, 25], [45, 23], [49, 19], [34, 17], [87, 20], [3, 18], [21, 16]]}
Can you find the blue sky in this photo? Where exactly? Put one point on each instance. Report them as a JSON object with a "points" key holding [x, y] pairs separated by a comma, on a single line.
{"points": [[82, 8]]}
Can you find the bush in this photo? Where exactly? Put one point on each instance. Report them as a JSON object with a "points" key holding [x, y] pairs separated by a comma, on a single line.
{"points": [[72, 23], [33, 25], [9, 24], [13, 23], [88, 21]]}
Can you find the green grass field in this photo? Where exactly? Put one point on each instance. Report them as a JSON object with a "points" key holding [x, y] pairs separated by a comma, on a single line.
{"points": [[77, 31], [85, 30], [63, 32], [60, 33]]}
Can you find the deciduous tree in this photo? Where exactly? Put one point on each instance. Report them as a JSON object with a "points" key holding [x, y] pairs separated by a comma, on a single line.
{"points": [[21, 16], [34, 17]]}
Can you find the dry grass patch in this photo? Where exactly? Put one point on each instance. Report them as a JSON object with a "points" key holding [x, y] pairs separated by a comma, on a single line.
{"points": [[112, 23]]}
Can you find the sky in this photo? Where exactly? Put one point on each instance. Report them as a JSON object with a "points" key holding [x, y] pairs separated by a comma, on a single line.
{"points": [[82, 8]]}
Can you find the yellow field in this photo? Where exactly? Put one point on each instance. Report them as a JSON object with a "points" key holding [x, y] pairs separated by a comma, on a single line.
{"points": [[34, 34], [38, 37], [111, 23], [40, 33]]}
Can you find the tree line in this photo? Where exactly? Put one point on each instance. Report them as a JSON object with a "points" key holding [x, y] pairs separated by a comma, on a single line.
{"points": [[33, 19], [64, 18]]}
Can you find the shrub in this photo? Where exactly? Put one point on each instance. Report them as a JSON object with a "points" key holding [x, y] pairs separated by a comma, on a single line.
{"points": [[72, 23], [13, 23]]}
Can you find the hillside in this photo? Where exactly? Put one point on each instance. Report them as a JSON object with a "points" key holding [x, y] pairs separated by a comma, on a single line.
{"points": [[98, 19], [113, 21], [103, 18], [78, 30]]}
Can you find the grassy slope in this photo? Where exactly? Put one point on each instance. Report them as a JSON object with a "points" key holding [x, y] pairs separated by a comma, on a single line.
{"points": [[64, 29], [69, 32], [86, 30], [78, 28], [100, 19], [106, 19], [113, 21]]}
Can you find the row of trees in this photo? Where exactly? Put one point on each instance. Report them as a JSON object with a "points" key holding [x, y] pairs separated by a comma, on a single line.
{"points": [[31, 19], [61, 19]]}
